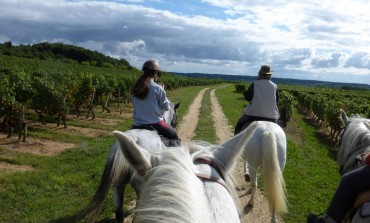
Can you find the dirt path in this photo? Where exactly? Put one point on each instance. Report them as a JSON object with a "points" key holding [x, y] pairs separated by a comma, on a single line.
{"points": [[260, 212], [186, 129]]}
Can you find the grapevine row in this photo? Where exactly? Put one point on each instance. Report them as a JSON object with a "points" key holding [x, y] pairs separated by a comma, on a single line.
{"points": [[54, 89]]}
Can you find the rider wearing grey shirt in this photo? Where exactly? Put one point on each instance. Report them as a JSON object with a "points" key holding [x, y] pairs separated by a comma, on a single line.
{"points": [[150, 102], [150, 109]]}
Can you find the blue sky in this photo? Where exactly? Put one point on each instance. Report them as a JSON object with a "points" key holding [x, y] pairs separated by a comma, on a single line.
{"points": [[302, 39]]}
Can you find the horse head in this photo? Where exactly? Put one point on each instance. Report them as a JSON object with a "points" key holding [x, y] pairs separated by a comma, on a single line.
{"points": [[354, 141], [170, 116], [173, 191]]}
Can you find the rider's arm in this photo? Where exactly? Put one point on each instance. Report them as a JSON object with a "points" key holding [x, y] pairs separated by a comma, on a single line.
{"points": [[248, 94], [164, 103]]}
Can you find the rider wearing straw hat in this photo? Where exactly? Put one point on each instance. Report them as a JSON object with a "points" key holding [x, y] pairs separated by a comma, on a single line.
{"points": [[263, 96]]}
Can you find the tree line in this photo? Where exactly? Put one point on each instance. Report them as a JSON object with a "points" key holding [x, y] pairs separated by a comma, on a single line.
{"points": [[63, 52]]}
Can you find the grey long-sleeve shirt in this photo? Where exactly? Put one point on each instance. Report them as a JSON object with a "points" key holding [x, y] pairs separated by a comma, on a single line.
{"points": [[150, 110]]}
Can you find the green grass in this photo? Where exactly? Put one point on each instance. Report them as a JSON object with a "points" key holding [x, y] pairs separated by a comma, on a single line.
{"points": [[204, 130], [60, 186], [185, 96], [232, 103], [311, 173]]}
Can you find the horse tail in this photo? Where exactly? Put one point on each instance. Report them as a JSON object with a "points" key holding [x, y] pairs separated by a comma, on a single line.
{"points": [[273, 178], [111, 176]]}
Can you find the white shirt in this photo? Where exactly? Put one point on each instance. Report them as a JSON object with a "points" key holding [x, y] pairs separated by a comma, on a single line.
{"points": [[263, 103]]}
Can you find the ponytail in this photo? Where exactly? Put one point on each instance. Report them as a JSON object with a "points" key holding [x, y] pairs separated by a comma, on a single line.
{"points": [[140, 89]]}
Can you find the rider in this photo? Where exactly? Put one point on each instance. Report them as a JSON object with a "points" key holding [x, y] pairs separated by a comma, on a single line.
{"points": [[351, 184], [263, 96], [150, 101]]}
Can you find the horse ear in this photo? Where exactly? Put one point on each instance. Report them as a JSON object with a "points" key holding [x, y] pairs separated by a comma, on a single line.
{"points": [[138, 157], [344, 117], [226, 154], [177, 105]]}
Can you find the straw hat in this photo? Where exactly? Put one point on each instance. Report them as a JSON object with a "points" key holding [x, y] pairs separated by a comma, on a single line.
{"points": [[265, 70]]}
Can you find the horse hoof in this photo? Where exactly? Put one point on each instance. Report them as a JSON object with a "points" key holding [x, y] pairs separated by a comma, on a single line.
{"points": [[247, 178]]}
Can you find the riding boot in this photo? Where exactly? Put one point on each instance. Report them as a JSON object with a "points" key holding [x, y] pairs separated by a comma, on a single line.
{"points": [[174, 143]]}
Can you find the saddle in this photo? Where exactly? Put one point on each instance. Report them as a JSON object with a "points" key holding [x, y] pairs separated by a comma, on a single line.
{"points": [[167, 142]]}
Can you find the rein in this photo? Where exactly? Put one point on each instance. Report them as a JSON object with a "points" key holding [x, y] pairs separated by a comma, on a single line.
{"points": [[219, 179]]}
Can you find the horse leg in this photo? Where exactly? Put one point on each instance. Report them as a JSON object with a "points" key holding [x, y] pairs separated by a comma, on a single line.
{"points": [[273, 216], [253, 175], [246, 172], [118, 191]]}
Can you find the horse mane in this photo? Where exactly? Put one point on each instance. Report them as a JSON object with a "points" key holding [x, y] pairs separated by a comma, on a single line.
{"points": [[146, 138], [355, 140], [173, 193], [196, 148]]}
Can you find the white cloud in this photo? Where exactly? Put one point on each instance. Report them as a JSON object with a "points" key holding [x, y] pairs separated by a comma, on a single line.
{"points": [[311, 37], [327, 60], [359, 60]]}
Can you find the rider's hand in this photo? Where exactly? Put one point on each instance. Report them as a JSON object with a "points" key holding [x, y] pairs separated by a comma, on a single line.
{"points": [[161, 84], [367, 158]]}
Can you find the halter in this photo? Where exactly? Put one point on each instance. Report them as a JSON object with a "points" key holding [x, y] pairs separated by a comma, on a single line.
{"points": [[218, 178]]}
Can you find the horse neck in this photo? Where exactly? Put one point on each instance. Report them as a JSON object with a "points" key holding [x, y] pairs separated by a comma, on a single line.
{"points": [[169, 115], [174, 191]]}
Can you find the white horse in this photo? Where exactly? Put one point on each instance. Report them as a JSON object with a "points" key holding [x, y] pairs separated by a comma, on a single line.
{"points": [[185, 184], [118, 173], [354, 141], [266, 149]]}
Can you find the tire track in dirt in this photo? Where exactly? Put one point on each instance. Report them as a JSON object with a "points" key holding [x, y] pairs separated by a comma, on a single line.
{"points": [[220, 122], [186, 129], [260, 212], [224, 131]]}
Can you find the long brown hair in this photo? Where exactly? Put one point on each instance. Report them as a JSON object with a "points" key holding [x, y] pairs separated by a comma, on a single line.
{"points": [[141, 88]]}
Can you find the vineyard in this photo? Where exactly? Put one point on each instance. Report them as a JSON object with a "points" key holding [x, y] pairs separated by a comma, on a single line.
{"points": [[325, 104], [55, 93], [56, 89], [322, 103]]}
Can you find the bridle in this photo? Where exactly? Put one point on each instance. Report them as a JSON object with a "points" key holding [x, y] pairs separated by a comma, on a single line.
{"points": [[218, 178]]}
